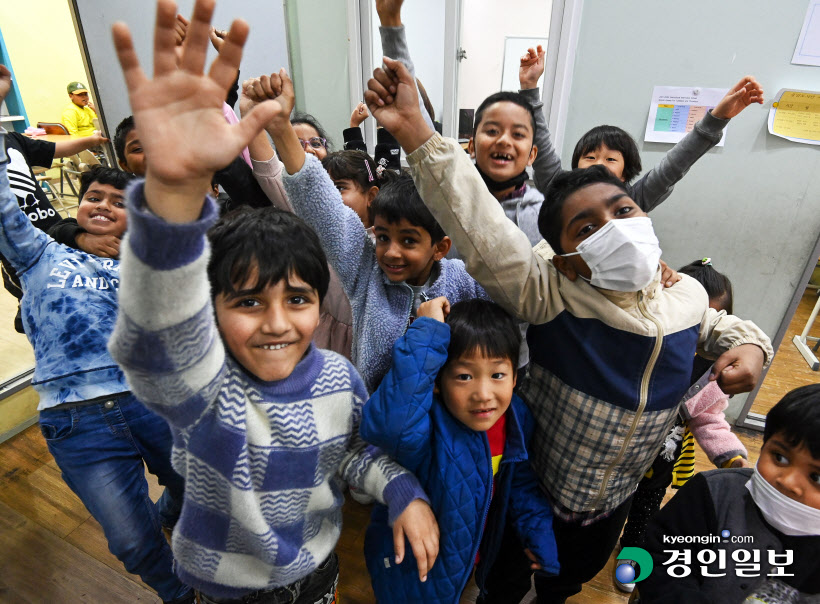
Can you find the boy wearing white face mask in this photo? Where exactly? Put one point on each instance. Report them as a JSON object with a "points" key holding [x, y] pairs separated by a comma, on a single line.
{"points": [[610, 358], [777, 504]]}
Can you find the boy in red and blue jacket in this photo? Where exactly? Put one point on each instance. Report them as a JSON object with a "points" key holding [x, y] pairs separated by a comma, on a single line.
{"points": [[446, 411]]}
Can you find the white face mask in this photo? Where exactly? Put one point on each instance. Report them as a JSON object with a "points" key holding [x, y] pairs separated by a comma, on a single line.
{"points": [[623, 255], [788, 516]]}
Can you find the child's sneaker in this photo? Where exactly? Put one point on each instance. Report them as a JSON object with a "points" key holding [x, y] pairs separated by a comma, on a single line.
{"points": [[361, 496]]}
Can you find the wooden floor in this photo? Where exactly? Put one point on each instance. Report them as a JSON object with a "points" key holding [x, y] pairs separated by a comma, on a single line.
{"points": [[789, 369], [51, 550]]}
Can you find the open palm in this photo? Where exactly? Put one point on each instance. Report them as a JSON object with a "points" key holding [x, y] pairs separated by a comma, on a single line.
{"points": [[178, 113]]}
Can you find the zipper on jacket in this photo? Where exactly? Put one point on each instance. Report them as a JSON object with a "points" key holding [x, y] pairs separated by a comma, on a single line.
{"points": [[489, 499], [644, 395]]}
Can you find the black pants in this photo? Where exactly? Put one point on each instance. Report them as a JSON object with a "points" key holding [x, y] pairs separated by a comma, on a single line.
{"points": [[582, 552], [319, 587]]}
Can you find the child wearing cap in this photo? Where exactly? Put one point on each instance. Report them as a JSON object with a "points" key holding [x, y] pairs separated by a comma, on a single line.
{"points": [[78, 116]]}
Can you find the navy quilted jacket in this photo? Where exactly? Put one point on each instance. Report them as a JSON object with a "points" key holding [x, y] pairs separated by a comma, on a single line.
{"points": [[453, 465]]}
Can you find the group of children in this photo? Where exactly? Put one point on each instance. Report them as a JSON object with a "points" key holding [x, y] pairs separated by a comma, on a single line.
{"points": [[488, 464]]}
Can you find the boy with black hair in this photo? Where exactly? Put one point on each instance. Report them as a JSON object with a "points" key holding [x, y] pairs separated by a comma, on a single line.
{"points": [[385, 281], [449, 397], [611, 349], [23, 153], [100, 435], [776, 504], [265, 424]]}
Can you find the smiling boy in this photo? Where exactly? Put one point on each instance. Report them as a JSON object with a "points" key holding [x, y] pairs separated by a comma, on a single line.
{"points": [[386, 280], [265, 424], [610, 348], [100, 435]]}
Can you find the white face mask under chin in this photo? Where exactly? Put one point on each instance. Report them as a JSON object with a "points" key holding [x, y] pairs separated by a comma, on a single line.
{"points": [[788, 516], [622, 255]]}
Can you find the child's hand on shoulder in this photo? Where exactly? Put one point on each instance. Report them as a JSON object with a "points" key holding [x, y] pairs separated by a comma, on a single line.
{"points": [[418, 523], [744, 93], [178, 112], [532, 68], [437, 308], [669, 276]]}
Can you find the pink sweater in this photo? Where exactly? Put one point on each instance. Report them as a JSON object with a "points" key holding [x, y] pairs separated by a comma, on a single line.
{"points": [[709, 426]]}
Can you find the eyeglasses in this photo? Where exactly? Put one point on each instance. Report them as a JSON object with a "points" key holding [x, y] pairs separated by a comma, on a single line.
{"points": [[316, 143]]}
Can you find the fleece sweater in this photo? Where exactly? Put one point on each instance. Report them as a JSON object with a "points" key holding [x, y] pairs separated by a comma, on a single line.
{"points": [[381, 308], [265, 463]]}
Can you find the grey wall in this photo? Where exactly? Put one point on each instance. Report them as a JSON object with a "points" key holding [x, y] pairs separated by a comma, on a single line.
{"points": [[265, 51], [754, 205]]}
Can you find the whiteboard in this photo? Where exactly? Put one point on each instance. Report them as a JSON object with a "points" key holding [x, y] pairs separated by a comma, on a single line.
{"points": [[515, 48]]}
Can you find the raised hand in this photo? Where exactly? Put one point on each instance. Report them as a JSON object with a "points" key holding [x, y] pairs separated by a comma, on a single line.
{"points": [[744, 93], [392, 99], [178, 113], [389, 12], [5, 81], [217, 37], [531, 68], [359, 115]]}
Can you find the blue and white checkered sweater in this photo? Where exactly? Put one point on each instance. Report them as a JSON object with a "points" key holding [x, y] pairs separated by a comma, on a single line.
{"points": [[264, 462]]}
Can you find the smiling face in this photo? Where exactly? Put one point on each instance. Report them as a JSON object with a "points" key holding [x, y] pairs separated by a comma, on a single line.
{"points": [[306, 132], [584, 212], [405, 252], [134, 160], [102, 210], [502, 145], [791, 470], [79, 98], [609, 158], [269, 331], [476, 390]]}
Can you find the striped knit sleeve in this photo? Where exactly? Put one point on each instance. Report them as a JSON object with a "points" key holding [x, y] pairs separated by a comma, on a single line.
{"points": [[165, 339], [368, 469]]}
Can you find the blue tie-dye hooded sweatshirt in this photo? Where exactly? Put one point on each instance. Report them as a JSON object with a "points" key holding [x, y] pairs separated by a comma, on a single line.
{"points": [[69, 307]]}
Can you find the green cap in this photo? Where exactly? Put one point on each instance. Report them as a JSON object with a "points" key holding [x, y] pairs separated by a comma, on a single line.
{"points": [[76, 87]]}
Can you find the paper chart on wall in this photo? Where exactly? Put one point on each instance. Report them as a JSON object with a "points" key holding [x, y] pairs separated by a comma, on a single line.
{"points": [[676, 109], [795, 116], [807, 51]]}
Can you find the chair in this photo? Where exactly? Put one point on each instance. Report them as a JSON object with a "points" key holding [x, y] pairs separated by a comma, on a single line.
{"points": [[52, 127]]}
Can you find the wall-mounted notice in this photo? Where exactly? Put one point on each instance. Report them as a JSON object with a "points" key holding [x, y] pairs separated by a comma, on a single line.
{"points": [[807, 51], [795, 115], [676, 109]]}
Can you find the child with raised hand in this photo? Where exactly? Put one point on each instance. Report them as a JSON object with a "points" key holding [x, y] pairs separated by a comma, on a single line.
{"points": [[614, 148], [447, 412], [701, 418], [100, 435], [611, 349], [386, 280], [265, 424], [776, 506]]}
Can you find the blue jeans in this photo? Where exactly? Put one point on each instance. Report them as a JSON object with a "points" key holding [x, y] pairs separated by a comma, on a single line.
{"points": [[100, 448]]}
